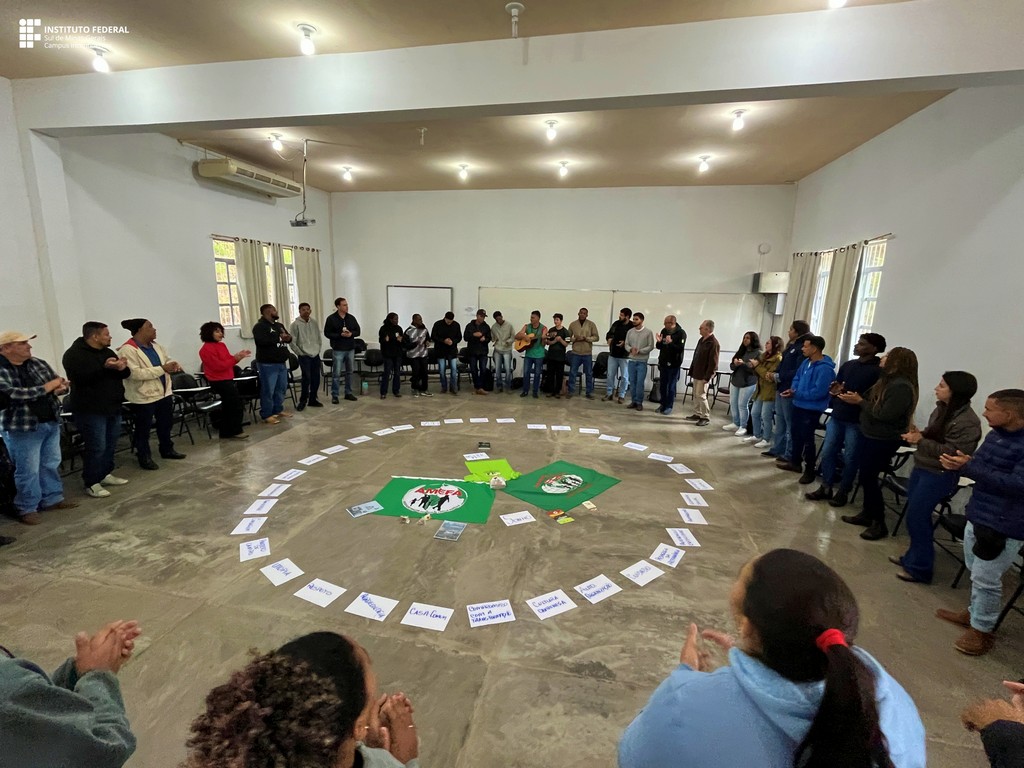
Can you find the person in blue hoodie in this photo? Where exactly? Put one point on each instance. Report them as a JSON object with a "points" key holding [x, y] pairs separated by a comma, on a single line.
{"points": [[796, 690], [792, 357], [809, 395]]}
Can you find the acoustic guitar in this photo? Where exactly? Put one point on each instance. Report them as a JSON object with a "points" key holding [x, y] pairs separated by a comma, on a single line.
{"points": [[521, 344]]}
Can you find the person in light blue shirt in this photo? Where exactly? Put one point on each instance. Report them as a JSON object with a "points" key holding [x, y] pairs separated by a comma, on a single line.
{"points": [[796, 691]]}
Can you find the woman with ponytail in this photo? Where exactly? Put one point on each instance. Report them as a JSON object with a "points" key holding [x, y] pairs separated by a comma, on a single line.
{"points": [[952, 427], [796, 693]]}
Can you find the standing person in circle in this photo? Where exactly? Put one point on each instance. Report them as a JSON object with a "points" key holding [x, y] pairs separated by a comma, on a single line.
{"points": [[703, 368], [671, 344], [503, 335], [556, 339], [219, 370], [533, 357], [742, 383], [809, 396], [763, 411], [618, 356], [446, 335], [272, 352], [792, 359], [306, 340], [391, 341], [796, 691], [639, 342], [148, 390], [583, 333], [342, 330], [477, 338], [415, 342]]}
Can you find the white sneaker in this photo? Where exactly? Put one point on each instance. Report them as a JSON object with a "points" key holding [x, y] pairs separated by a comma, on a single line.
{"points": [[97, 491], [729, 427], [426, 394], [111, 480], [749, 439], [761, 444], [740, 432]]}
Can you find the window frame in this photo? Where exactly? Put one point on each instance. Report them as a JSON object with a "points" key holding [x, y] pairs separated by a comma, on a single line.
{"points": [[234, 304], [821, 290], [868, 288]]}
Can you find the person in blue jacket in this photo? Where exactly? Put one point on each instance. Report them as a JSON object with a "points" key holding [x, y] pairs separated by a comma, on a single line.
{"points": [[796, 690], [809, 395], [792, 357]]}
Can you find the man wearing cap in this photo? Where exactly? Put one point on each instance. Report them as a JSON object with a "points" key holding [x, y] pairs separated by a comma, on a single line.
{"points": [[477, 337], [30, 426]]}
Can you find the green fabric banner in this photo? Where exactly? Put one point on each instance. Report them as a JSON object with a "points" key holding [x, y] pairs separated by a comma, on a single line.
{"points": [[559, 486], [442, 499]]}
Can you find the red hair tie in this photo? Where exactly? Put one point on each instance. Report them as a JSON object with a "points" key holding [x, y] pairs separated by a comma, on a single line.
{"points": [[828, 638]]}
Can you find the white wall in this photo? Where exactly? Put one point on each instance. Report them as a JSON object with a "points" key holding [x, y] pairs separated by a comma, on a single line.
{"points": [[948, 182], [634, 239], [142, 227]]}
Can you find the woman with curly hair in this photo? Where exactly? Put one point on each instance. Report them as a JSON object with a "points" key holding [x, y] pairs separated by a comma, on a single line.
{"points": [[312, 703]]}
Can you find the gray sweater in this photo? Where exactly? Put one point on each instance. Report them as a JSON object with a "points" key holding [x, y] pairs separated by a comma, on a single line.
{"points": [[502, 334], [306, 337], [963, 433], [643, 340]]}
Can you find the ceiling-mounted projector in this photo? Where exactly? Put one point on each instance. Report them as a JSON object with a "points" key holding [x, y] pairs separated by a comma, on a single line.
{"points": [[303, 222]]}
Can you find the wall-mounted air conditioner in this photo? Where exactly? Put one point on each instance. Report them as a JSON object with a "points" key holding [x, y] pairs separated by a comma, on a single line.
{"points": [[239, 174]]}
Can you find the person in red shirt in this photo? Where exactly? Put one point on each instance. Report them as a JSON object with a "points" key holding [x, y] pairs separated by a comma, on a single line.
{"points": [[219, 369]]}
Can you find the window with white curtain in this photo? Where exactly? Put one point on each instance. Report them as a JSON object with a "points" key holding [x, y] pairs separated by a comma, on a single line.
{"points": [[226, 275], [820, 291], [270, 274], [292, 288], [872, 262]]}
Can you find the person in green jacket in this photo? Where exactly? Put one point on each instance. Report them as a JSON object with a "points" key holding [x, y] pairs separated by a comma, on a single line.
{"points": [[75, 717]]}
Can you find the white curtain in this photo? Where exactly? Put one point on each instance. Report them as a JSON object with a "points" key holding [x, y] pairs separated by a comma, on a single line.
{"points": [[252, 282], [842, 283], [307, 280], [282, 298], [803, 280]]}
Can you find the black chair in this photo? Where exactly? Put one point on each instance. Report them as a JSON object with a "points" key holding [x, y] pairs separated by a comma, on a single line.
{"points": [[327, 361], [247, 383], [889, 478], [71, 443], [1011, 604], [953, 525], [374, 360], [293, 366], [199, 403]]}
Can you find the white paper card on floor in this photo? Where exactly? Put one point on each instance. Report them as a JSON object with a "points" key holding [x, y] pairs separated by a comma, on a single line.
{"points": [[667, 555], [430, 423], [551, 604], [320, 592], [505, 421], [291, 474], [260, 507], [561, 428], [311, 460], [334, 449], [659, 457], [680, 469], [589, 431], [699, 485], [536, 426], [249, 525], [274, 489], [682, 537], [642, 572], [478, 420], [281, 571], [483, 614], [250, 550], [454, 421], [692, 516], [475, 456], [598, 588], [360, 439], [518, 518], [371, 606], [402, 427], [610, 438], [427, 616], [694, 499], [385, 431], [636, 447]]}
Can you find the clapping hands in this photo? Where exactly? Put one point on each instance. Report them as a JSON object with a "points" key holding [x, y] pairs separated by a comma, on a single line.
{"points": [[695, 655], [392, 727], [981, 714], [108, 649]]}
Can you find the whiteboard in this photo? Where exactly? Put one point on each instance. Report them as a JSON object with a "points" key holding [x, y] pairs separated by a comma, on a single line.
{"points": [[431, 301], [516, 304]]}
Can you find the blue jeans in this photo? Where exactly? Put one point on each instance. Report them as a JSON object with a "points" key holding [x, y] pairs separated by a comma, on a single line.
{"points": [[575, 361], [617, 367], [802, 431], [924, 492], [668, 377], [637, 374], [534, 366], [477, 364], [502, 369], [763, 413], [36, 457], [783, 445], [987, 580], [393, 372], [310, 367], [99, 435], [739, 404], [340, 358], [273, 383], [448, 367], [845, 436]]}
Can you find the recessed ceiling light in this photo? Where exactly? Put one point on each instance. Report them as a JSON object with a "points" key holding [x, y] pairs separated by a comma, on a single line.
{"points": [[463, 171], [347, 175], [99, 63], [551, 132], [836, 3], [563, 171], [737, 119], [306, 45], [703, 163], [275, 142]]}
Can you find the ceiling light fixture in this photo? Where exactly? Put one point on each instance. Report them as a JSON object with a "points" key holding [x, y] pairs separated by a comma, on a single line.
{"points": [[463, 171], [737, 119], [99, 63], [347, 175], [836, 3], [275, 142], [703, 163], [306, 45], [564, 170], [551, 132], [514, 9]]}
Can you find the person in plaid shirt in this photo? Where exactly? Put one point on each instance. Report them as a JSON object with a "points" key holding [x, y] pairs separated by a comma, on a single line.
{"points": [[30, 427]]}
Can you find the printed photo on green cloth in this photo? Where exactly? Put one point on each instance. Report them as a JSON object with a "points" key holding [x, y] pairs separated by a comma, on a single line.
{"points": [[559, 486], [441, 499], [482, 471]]}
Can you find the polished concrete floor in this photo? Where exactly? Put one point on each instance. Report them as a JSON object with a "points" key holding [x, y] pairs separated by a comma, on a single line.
{"points": [[528, 693]]}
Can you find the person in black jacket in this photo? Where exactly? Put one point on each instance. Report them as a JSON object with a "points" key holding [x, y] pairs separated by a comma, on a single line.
{"points": [[342, 329], [272, 352], [1000, 724], [97, 377], [391, 337], [477, 337], [618, 355], [792, 357], [671, 344], [446, 335]]}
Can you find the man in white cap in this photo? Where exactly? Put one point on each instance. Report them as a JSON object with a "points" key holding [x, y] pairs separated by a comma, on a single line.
{"points": [[31, 427]]}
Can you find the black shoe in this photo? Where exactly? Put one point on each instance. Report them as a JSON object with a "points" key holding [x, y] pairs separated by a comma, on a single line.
{"points": [[301, 406], [631, 406], [694, 417], [823, 492], [397, 394], [172, 455], [535, 394], [877, 530], [807, 477], [703, 422], [148, 464], [659, 409], [790, 467], [5, 540], [860, 519], [523, 394], [768, 453], [334, 401], [589, 397], [351, 397], [383, 397], [839, 500], [639, 406], [315, 404]]}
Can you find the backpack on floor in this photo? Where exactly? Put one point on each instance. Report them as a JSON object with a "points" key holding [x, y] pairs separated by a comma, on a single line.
{"points": [[487, 379], [517, 382], [655, 395]]}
